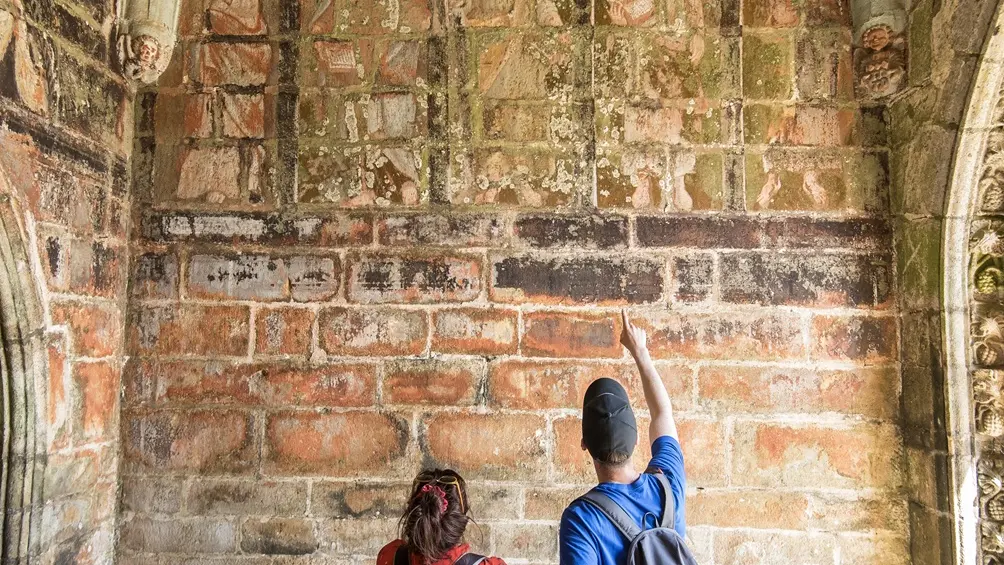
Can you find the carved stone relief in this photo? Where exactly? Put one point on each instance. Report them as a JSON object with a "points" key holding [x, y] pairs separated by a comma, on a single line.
{"points": [[879, 48], [147, 33], [986, 333]]}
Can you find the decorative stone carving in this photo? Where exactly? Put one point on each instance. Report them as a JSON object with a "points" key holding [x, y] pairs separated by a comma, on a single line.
{"points": [[991, 484], [880, 62], [146, 36], [988, 404]]}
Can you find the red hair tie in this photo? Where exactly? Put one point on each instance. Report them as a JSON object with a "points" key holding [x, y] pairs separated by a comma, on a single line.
{"points": [[434, 489]]}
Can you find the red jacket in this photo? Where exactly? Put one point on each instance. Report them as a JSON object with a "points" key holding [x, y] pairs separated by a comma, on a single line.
{"points": [[386, 555]]}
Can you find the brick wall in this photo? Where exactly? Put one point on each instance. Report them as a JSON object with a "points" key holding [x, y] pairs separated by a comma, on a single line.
{"points": [[65, 138], [373, 237]]}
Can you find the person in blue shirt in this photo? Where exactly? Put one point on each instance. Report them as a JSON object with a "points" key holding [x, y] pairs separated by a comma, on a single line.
{"points": [[610, 434]]}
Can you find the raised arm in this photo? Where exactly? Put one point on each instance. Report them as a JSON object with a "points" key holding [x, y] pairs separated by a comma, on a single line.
{"points": [[659, 405]]}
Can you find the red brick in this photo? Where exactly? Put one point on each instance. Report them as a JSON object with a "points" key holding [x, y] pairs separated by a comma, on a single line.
{"points": [[243, 115], [336, 63], [534, 385], [235, 17], [385, 278], [476, 331], [98, 387], [243, 64], [767, 336], [331, 444], [324, 385], [751, 546], [198, 119], [95, 329], [777, 455], [432, 381], [208, 173], [206, 441], [764, 390], [368, 331], [864, 339], [489, 446], [190, 329], [401, 63], [571, 334], [197, 382], [704, 451], [283, 331]]}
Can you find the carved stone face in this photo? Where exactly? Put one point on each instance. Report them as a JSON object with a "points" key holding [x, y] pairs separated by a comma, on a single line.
{"points": [[877, 38], [146, 50]]}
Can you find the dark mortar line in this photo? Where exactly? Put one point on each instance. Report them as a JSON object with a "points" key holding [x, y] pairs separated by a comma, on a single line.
{"points": [[55, 138]]}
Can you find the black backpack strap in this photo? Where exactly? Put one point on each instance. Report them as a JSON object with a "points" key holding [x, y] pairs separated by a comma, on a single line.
{"points": [[613, 512], [469, 559], [401, 555], [669, 507]]}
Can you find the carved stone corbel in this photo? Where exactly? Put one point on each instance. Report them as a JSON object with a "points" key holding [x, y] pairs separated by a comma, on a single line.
{"points": [[879, 48], [147, 32]]}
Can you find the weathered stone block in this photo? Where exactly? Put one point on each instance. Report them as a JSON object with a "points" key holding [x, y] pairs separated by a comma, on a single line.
{"points": [[284, 331], [385, 278], [368, 331], [190, 329], [817, 280], [572, 280], [329, 444], [475, 331], [767, 61], [489, 446], [570, 334], [242, 64], [278, 536], [434, 381], [199, 441], [579, 232]]}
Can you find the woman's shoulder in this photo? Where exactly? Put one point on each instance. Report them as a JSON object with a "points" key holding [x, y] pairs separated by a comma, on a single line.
{"points": [[494, 561], [386, 555]]}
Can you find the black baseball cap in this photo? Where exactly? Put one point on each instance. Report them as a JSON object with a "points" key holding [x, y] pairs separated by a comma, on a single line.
{"points": [[608, 423]]}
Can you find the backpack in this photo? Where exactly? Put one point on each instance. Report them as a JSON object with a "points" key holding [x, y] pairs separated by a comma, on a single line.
{"points": [[401, 558], [661, 545]]}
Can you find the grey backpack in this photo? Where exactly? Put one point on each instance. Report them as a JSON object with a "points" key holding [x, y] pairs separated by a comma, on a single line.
{"points": [[661, 545]]}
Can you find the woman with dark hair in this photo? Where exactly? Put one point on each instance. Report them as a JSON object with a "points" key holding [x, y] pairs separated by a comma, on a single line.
{"points": [[433, 524]]}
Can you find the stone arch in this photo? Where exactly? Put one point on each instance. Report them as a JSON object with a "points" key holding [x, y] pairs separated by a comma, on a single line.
{"points": [[23, 368], [973, 303]]}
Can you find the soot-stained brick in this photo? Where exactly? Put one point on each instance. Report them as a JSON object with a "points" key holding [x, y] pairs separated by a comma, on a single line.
{"points": [[414, 279], [577, 280], [809, 280], [453, 230], [595, 232], [693, 277], [743, 232], [259, 228]]}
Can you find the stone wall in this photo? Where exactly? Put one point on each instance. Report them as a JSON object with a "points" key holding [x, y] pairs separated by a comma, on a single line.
{"points": [[373, 237], [65, 137]]}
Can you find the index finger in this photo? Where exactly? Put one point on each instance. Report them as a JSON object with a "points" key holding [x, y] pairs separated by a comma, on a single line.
{"points": [[624, 318]]}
